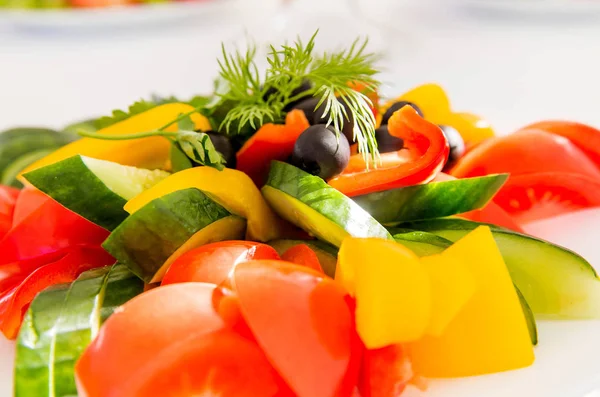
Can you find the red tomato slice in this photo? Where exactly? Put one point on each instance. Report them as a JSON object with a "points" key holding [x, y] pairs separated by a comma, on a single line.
{"points": [[48, 229], [385, 372], [212, 263], [585, 137], [538, 196], [29, 200], [8, 198], [169, 341], [15, 301], [301, 320], [302, 255], [492, 213], [527, 152]]}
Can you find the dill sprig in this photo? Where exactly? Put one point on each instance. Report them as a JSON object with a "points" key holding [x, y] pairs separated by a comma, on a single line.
{"points": [[257, 98]]}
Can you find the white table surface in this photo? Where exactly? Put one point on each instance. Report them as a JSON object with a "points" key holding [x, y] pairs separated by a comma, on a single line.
{"points": [[513, 73]]}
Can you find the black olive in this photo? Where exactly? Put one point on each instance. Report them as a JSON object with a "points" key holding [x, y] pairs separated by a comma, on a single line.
{"points": [[308, 106], [223, 146], [456, 143], [386, 142], [319, 151], [348, 124], [397, 106]]}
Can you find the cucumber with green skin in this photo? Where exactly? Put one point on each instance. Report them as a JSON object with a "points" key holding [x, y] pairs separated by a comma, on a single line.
{"points": [[150, 239], [17, 142], [425, 244], [72, 317], [326, 253], [431, 200], [310, 203], [555, 281], [95, 189]]}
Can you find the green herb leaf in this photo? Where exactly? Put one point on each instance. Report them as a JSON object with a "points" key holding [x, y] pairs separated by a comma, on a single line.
{"points": [[179, 161], [200, 149], [120, 115], [186, 124]]}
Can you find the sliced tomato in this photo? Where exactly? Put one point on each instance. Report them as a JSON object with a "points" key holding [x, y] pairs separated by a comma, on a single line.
{"points": [[302, 255], [8, 198], [15, 301], [585, 137], [492, 213], [538, 196], [170, 341], [529, 151], [212, 263], [385, 372], [48, 229], [301, 320], [29, 200], [270, 142]]}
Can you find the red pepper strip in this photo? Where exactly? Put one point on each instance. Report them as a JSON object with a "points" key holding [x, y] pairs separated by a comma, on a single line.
{"points": [[270, 142], [49, 229], [302, 255], [28, 201], [428, 152], [15, 301], [8, 198]]}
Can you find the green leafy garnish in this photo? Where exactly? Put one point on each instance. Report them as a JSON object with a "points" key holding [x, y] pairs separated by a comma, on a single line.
{"points": [[196, 146], [257, 98]]}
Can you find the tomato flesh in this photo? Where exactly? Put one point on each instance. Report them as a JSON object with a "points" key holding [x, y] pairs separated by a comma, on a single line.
{"points": [[302, 255], [385, 372], [212, 263], [301, 320]]}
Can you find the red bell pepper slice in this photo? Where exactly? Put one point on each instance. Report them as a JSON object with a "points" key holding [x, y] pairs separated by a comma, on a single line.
{"points": [[29, 200], [302, 255], [270, 142], [8, 198], [424, 155], [15, 301], [48, 229]]}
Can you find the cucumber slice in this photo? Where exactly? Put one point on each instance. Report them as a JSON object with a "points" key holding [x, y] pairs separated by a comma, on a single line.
{"points": [[310, 203], [150, 239], [95, 189], [431, 200], [34, 344], [9, 176], [326, 253], [424, 244], [72, 316], [17, 142], [555, 281]]}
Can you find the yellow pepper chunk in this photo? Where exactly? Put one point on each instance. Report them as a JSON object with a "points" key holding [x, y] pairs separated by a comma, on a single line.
{"points": [[472, 128], [392, 289], [490, 333], [152, 152], [452, 286], [233, 189]]}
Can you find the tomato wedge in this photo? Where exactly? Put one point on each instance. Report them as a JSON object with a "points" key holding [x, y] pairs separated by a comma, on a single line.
{"points": [[302, 255], [301, 320], [492, 213], [169, 341], [529, 151], [270, 142], [212, 263], [538, 196], [48, 229], [585, 137], [424, 155], [15, 301], [8, 198], [385, 372]]}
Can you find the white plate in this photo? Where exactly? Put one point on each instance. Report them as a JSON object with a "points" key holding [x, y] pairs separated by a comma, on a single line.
{"points": [[555, 9], [101, 18], [567, 363]]}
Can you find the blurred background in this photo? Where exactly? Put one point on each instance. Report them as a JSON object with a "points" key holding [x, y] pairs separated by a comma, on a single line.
{"points": [[512, 61]]}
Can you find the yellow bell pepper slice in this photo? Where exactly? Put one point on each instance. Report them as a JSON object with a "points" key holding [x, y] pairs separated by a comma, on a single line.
{"points": [[472, 128], [490, 333], [452, 286], [152, 152], [392, 290], [233, 189]]}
